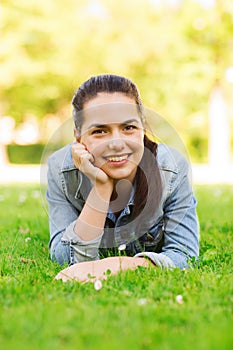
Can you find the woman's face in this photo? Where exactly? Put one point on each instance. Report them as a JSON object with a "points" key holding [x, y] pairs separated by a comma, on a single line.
{"points": [[112, 132]]}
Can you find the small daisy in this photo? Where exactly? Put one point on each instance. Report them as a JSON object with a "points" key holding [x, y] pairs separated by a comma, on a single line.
{"points": [[179, 299], [35, 194], [122, 247], [98, 285], [142, 301], [22, 198]]}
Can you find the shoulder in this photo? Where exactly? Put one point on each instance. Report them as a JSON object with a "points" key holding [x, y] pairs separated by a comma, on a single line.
{"points": [[62, 159], [169, 159]]}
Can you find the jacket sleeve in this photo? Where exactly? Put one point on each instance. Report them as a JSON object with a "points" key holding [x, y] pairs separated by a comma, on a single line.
{"points": [[181, 228]]}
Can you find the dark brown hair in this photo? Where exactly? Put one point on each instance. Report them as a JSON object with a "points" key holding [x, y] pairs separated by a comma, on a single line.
{"points": [[148, 181], [103, 83]]}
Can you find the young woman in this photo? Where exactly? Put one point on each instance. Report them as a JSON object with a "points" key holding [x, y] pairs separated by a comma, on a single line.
{"points": [[115, 189]]}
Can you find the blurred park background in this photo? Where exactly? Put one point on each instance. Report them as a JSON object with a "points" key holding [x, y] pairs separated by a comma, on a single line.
{"points": [[179, 53]]}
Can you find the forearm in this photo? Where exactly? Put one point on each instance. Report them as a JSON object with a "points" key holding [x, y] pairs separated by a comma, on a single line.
{"points": [[90, 223], [97, 269], [84, 234]]}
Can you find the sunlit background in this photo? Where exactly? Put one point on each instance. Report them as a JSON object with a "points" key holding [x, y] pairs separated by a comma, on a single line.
{"points": [[179, 53]]}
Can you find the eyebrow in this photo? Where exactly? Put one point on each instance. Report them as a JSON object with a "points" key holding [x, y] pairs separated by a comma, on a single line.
{"points": [[129, 121]]}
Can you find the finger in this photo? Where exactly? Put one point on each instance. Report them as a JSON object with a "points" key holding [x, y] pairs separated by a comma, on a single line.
{"points": [[86, 164], [77, 146], [81, 158], [87, 155], [80, 151]]}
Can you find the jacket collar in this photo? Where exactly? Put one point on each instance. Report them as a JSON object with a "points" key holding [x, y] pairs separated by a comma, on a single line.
{"points": [[67, 163]]}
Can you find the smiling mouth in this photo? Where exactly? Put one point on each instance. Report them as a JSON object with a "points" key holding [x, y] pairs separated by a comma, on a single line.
{"points": [[117, 158]]}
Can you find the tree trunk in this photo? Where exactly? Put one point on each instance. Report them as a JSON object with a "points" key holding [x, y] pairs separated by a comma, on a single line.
{"points": [[219, 134]]}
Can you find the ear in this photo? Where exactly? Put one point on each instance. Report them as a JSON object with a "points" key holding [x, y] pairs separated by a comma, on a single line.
{"points": [[76, 135]]}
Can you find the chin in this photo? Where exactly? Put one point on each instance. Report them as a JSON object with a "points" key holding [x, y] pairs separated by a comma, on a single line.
{"points": [[121, 175]]}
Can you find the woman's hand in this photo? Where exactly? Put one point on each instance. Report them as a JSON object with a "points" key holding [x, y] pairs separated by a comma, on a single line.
{"points": [[90, 271], [83, 160]]}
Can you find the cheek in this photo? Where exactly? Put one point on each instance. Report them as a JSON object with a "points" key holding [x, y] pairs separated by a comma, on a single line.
{"points": [[94, 147], [139, 148], [137, 143]]}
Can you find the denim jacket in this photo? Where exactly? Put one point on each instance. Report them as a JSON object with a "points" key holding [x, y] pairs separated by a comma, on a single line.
{"points": [[173, 235]]}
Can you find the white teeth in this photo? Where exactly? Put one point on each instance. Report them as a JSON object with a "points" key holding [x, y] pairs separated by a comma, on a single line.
{"points": [[118, 159]]}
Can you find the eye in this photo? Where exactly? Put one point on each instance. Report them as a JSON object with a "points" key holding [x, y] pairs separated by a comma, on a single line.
{"points": [[130, 127], [98, 132]]}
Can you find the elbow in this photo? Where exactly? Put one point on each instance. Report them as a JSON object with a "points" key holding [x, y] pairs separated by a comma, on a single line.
{"points": [[60, 253], [182, 260]]}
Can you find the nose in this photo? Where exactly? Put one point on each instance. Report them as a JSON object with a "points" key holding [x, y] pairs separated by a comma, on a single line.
{"points": [[116, 144]]}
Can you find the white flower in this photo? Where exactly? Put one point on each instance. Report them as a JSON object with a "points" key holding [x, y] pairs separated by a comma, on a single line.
{"points": [[22, 198], [122, 247], [35, 194], [27, 239], [142, 301], [217, 192], [179, 299], [98, 285]]}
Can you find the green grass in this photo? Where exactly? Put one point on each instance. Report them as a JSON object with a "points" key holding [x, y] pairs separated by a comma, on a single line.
{"points": [[133, 310]]}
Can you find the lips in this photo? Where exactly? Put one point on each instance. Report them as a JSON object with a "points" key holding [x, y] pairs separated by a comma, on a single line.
{"points": [[117, 158]]}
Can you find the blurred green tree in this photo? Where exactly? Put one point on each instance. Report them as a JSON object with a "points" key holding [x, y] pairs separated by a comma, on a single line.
{"points": [[175, 51]]}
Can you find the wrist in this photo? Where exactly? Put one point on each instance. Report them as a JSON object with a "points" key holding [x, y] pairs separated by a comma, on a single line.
{"points": [[99, 197], [104, 190]]}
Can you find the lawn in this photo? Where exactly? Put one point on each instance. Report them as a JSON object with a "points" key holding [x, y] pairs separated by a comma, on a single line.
{"points": [[133, 310]]}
